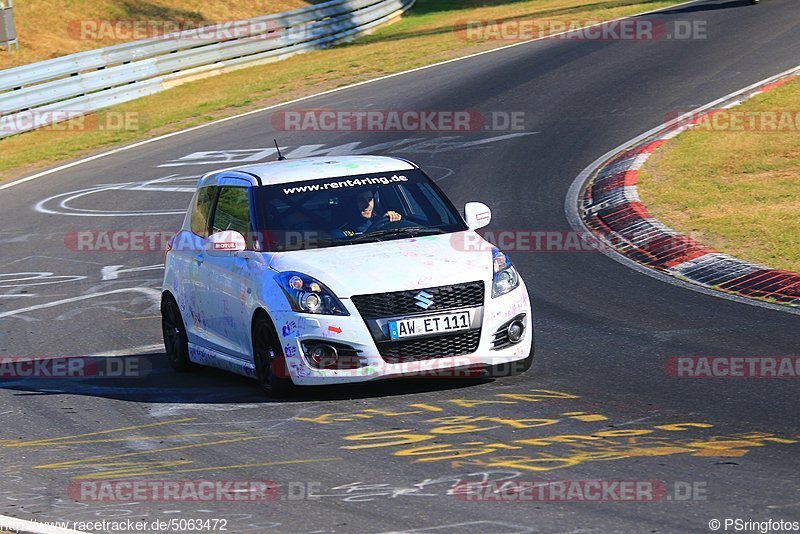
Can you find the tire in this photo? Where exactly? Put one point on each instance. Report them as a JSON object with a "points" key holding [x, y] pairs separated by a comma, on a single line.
{"points": [[175, 341], [273, 379]]}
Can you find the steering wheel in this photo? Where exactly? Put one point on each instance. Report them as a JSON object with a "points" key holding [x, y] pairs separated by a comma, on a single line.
{"points": [[378, 224], [384, 222]]}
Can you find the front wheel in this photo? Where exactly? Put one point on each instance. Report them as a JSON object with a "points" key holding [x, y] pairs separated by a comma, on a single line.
{"points": [[269, 360], [175, 341]]}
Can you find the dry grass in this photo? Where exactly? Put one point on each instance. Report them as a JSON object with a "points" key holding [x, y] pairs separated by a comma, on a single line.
{"points": [[50, 28], [737, 191], [425, 36]]}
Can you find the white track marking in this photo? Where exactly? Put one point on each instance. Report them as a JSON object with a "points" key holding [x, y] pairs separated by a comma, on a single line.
{"points": [[571, 203], [154, 294], [336, 90], [155, 185], [158, 348], [112, 272], [35, 279]]}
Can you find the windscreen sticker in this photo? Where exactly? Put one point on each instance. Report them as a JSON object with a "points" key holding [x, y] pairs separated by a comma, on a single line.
{"points": [[365, 180]]}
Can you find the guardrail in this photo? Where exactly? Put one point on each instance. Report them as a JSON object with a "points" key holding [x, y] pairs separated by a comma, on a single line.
{"points": [[46, 92], [8, 33]]}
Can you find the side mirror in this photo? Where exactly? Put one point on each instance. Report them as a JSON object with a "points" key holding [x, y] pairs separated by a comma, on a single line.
{"points": [[477, 215], [223, 243]]}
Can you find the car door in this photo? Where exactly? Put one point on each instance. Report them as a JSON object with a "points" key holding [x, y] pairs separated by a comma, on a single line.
{"points": [[187, 257], [228, 318]]}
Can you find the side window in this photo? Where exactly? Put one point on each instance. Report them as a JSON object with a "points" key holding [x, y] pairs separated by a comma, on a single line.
{"points": [[233, 210], [201, 211]]}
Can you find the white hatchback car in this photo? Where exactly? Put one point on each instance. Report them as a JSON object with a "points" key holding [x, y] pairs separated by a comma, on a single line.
{"points": [[339, 269]]}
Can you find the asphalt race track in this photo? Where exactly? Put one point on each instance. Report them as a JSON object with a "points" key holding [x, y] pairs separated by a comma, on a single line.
{"points": [[604, 332]]}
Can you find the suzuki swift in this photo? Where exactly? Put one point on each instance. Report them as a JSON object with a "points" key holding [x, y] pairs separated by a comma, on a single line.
{"points": [[339, 269]]}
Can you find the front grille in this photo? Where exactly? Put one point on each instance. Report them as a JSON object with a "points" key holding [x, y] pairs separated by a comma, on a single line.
{"points": [[468, 295], [501, 340], [429, 348]]}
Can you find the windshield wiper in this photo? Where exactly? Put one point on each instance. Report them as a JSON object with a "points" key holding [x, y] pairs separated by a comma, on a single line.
{"points": [[408, 232]]}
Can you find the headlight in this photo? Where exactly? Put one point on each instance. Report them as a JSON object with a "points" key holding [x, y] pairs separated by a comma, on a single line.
{"points": [[505, 276], [309, 295]]}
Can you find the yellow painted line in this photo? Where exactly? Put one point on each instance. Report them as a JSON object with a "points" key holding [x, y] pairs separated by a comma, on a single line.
{"points": [[428, 407], [211, 468], [75, 463], [52, 441], [140, 318], [134, 438]]}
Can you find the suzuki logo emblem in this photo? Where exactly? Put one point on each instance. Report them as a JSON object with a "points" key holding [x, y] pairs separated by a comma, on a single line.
{"points": [[424, 300]]}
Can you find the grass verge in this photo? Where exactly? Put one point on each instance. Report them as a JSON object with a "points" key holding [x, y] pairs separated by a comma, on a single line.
{"points": [[733, 182], [52, 28], [428, 34]]}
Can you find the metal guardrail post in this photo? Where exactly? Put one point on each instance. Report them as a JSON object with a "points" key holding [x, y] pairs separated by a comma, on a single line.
{"points": [[8, 33]]}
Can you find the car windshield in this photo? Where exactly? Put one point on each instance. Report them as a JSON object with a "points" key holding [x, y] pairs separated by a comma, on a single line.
{"points": [[353, 209]]}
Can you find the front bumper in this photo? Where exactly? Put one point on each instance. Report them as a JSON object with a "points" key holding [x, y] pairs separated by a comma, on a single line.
{"points": [[295, 329]]}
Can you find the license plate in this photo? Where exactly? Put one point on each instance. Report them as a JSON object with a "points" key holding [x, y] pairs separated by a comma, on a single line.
{"points": [[432, 324]]}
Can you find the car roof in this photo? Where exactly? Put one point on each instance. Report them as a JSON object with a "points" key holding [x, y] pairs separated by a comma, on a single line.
{"points": [[315, 168]]}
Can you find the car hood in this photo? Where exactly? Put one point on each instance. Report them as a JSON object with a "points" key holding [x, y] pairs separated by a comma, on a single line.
{"points": [[398, 265]]}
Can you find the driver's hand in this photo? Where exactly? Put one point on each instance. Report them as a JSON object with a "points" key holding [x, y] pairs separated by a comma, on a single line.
{"points": [[393, 216]]}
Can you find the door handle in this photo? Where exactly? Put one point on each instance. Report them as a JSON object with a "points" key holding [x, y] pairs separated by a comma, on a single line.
{"points": [[199, 258]]}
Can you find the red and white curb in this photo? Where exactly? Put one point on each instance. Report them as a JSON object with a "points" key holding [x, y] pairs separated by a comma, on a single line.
{"points": [[609, 205]]}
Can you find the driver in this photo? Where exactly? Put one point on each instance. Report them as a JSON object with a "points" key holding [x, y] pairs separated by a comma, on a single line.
{"points": [[364, 214]]}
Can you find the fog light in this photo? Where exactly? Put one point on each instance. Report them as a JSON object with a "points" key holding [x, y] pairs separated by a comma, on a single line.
{"points": [[323, 356], [515, 331]]}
